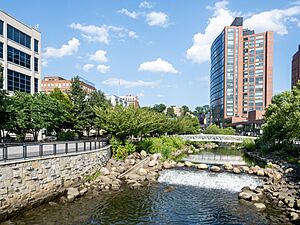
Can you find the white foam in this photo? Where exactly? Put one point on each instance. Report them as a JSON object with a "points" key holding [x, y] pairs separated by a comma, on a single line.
{"points": [[204, 179]]}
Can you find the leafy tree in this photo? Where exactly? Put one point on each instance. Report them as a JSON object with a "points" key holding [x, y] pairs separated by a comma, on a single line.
{"points": [[64, 111], [170, 112], [185, 109], [282, 117], [214, 129], [159, 108]]}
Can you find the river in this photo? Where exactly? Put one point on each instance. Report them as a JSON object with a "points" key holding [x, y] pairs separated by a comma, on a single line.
{"points": [[181, 196]]}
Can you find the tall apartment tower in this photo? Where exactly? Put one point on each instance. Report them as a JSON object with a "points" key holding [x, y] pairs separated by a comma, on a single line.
{"points": [[296, 67], [241, 73], [20, 55]]}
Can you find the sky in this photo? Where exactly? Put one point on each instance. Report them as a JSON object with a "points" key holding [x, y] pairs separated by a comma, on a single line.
{"points": [[158, 50]]}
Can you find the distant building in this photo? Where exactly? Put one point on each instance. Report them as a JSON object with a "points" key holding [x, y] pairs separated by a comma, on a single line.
{"points": [[296, 67], [241, 73], [20, 55], [132, 100], [49, 83], [116, 100], [177, 110]]}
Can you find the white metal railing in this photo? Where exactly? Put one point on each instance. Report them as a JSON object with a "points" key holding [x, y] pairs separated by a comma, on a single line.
{"points": [[216, 138]]}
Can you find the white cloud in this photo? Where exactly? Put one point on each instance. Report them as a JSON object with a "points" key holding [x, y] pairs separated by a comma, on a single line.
{"points": [[141, 94], [275, 19], [159, 96], [130, 84], [93, 33], [200, 51], [132, 14], [132, 34], [65, 50], [99, 56], [146, 5], [103, 68], [157, 65], [87, 67], [157, 19]]}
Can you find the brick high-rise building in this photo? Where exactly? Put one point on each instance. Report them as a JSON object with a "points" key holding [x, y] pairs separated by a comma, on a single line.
{"points": [[241, 74], [296, 67]]}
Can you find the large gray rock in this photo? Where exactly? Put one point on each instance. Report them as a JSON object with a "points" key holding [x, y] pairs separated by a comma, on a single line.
{"points": [[72, 193], [167, 165], [246, 195], [294, 216], [228, 166], [260, 206], [104, 171], [215, 169], [236, 170], [260, 172], [188, 164], [143, 154], [152, 163], [143, 172], [105, 179], [202, 166], [180, 164]]}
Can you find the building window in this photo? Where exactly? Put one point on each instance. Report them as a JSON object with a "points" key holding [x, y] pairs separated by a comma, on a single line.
{"points": [[1, 50], [36, 64], [18, 81], [18, 57], [18, 36], [36, 46], [1, 27], [36, 85]]}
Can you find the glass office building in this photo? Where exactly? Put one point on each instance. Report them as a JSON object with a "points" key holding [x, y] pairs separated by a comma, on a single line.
{"points": [[20, 55], [241, 72]]}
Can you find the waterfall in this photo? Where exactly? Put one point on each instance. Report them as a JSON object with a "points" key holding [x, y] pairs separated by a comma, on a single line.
{"points": [[209, 180]]}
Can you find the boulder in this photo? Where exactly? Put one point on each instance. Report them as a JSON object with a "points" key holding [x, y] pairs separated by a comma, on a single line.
{"points": [[143, 172], [294, 216], [190, 152], [228, 166], [53, 204], [246, 195], [289, 170], [215, 169], [72, 193], [260, 172], [188, 164], [132, 161], [260, 206], [167, 165], [104, 171], [254, 197], [121, 169], [143, 154], [105, 180], [180, 164], [83, 191], [245, 169], [152, 163], [236, 170], [202, 166]]}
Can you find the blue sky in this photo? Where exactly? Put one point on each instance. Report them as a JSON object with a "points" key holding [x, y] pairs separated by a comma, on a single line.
{"points": [[158, 50]]}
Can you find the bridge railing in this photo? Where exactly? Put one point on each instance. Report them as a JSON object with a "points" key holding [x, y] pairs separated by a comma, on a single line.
{"points": [[213, 137], [27, 150]]}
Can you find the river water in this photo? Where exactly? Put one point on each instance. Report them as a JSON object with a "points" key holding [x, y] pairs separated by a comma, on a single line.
{"points": [[181, 196]]}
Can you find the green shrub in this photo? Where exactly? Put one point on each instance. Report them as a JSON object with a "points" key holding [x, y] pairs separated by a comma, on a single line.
{"points": [[214, 129], [67, 136], [166, 153], [93, 176], [249, 144]]}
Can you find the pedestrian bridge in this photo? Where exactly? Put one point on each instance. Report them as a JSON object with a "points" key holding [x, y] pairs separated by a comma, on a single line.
{"points": [[216, 138]]}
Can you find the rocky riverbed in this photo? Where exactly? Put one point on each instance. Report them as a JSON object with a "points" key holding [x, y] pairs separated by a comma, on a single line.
{"points": [[142, 169]]}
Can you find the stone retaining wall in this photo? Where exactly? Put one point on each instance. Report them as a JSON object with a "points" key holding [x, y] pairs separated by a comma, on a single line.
{"points": [[26, 183]]}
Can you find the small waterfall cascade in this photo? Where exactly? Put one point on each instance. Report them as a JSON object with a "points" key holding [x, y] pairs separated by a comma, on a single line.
{"points": [[209, 180]]}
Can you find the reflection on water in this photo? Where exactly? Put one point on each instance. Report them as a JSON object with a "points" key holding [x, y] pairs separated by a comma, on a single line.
{"points": [[219, 156], [151, 205]]}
